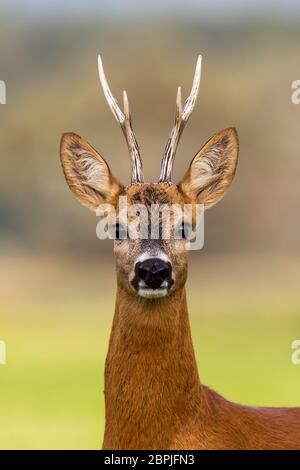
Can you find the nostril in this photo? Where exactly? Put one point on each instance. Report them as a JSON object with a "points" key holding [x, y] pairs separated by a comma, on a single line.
{"points": [[164, 273], [143, 273]]}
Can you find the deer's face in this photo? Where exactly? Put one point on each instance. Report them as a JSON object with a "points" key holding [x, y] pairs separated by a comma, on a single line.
{"points": [[151, 267]]}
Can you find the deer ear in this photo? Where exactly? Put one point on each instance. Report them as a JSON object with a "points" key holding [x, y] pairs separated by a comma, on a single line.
{"points": [[87, 173], [212, 169]]}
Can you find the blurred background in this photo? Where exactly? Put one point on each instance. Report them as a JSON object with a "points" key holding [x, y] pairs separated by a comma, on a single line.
{"points": [[57, 280]]}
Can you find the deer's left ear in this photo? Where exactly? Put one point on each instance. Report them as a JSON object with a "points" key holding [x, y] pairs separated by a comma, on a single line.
{"points": [[212, 169]]}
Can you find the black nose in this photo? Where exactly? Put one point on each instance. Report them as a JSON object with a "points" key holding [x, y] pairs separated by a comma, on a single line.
{"points": [[153, 272]]}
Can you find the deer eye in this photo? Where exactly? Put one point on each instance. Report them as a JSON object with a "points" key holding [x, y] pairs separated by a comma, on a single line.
{"points": [[183, 231], [119, 231]]}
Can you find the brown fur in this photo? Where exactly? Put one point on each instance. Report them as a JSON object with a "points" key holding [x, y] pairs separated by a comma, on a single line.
{"points": [[153, 395]]}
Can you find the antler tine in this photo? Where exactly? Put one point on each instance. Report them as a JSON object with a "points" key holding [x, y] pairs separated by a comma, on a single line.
{"points": [[124, 119], [181, 117]]}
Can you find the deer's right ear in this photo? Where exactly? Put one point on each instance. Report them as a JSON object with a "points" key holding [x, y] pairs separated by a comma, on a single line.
{"points": [[87, 173]]}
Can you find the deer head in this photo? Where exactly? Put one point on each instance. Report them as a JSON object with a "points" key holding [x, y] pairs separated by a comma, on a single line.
{"points": [[146, 267]]}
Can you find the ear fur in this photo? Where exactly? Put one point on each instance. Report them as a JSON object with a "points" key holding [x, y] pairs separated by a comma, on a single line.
{"points": [[87, 173], [212, 169]]}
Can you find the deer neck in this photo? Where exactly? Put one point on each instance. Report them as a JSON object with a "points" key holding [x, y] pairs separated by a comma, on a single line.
{"points": [[151, 373]]}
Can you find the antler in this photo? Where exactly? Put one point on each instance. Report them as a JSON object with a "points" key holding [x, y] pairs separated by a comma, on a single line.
{"points": [[181, 117], [124, 119]]}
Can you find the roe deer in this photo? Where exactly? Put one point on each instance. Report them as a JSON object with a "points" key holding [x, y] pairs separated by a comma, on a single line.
{"points": [[153, 396]]}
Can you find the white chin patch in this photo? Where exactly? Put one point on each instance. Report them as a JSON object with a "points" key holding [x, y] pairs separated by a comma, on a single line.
{"points": [[148, 293]]}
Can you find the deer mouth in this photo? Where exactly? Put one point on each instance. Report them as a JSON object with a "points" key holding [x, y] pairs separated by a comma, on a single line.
{"points": [[150, 293]]}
